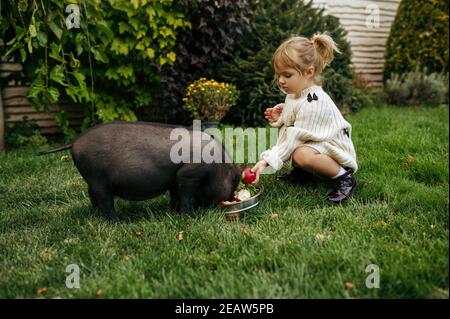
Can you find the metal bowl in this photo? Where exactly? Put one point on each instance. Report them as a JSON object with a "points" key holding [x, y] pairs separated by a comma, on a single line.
{"points": [[233, 210]]}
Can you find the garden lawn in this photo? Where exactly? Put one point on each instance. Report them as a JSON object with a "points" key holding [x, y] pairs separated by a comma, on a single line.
{"points": [[294, 245]]}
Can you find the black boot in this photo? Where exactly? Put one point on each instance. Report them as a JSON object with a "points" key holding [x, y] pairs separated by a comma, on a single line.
{"points": [[344, 187], [297, 176]]}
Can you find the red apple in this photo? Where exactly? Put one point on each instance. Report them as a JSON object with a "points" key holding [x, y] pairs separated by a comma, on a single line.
{"points": [[248, 176]]}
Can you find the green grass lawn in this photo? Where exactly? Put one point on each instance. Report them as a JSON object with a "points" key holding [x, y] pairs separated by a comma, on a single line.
{"points": [[294, 245]]}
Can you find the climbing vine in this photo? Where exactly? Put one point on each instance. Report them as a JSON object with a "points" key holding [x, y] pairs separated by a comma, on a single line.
{"points": [[100, 54]]}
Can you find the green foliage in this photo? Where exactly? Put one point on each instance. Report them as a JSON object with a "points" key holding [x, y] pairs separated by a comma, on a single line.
{"points": [[217, 26], [417, 87], [251, 70], [116, 38], [360, 98], [62, 120], [112, 110], [419, 37], [23, 133], [209, 100]]}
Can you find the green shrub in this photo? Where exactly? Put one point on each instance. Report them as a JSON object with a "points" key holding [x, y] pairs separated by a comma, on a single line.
{"points": [[251, 70], [23, 133], [363, 94], [419, 37], [417, 87], [362, 98], [217, 25]]}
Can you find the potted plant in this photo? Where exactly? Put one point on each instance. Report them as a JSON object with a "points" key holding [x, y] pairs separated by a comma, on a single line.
{"points": [[209, 100]]}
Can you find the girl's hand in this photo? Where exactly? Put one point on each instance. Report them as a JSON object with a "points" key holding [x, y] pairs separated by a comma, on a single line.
{"points": [[272, 114], [258, 168]]}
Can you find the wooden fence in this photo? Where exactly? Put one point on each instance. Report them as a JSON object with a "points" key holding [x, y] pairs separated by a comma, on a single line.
{"points": [[15, 107], [368, 23]]}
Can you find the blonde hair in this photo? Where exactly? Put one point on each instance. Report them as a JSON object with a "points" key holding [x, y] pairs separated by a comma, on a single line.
{"points": [[300, 53]]}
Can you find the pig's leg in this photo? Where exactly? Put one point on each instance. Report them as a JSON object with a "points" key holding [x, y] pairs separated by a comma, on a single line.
{"points": [[183, 195], [92, 197], [102, 198], [173, 198], [188, 180]]}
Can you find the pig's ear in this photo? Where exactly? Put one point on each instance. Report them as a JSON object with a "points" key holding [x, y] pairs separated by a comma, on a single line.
{"points": [[240, 168]]}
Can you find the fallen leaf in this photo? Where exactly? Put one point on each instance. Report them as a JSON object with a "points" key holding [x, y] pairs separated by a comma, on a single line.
{"points": [[180, 235], [65, 158], [187, 226], [409, 160], [46, 254], [41, 291], [433, 226], [138, 234], [320, 237], [99, 293], [381, 223], [210, 231], [349, 285], [126, 257], [274, 216]]}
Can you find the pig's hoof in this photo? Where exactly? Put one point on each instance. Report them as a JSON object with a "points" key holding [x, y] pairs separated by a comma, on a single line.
{"points": [[113, 219], [180, 214], [185, 208]]}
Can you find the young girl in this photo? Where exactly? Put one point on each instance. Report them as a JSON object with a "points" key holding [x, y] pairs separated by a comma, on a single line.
{"points": [[314, 137]]}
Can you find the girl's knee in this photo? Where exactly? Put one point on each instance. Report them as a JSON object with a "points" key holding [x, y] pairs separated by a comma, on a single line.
{"points": [[304, 163], [303, 158]]}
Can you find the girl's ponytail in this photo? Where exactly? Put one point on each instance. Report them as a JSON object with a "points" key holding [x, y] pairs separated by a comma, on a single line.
{"points": [[325, 46]]}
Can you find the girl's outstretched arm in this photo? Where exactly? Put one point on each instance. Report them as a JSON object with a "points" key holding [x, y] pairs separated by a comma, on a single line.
{"points": [[258, 168]]}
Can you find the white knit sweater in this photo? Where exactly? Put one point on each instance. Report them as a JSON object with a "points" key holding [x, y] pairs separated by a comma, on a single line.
{"points": [[318, 124]]}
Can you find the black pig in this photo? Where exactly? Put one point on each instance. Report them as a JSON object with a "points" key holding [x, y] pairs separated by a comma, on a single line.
{"points": [[132, 160]]}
